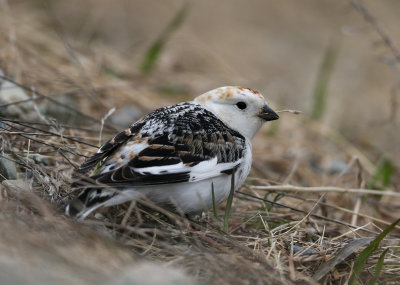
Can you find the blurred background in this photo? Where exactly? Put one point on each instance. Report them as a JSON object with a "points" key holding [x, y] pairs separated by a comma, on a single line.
{"points": [[74, 73], [285, 49]]}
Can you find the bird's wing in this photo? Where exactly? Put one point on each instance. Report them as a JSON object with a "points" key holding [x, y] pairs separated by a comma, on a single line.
{"points": [[179, 143], [108, 149]]}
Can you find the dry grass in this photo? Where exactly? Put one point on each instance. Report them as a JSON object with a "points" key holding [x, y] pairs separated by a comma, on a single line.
{"points": [[277, 234]]}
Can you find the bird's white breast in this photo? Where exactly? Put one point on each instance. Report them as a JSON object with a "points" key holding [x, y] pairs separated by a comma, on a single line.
{"points": [[194, 197]]}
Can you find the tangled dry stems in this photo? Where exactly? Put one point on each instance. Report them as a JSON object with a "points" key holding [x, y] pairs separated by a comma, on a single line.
{"points": [[276, 237]]}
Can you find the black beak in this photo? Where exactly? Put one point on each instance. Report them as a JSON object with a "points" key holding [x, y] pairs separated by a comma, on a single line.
{"points": [[268, 114]]}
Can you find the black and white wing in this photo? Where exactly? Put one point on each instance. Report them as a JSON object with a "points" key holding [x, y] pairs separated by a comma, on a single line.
{"points": [[174, 144], [178, 143]]}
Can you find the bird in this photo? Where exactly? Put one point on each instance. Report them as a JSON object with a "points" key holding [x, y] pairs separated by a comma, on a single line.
{"points": [[186, 156]]}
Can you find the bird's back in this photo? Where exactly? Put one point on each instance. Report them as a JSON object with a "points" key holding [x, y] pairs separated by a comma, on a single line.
{"points": [[172, 145]]}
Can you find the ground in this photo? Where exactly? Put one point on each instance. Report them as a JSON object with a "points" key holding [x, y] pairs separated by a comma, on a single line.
{"points": [[70, 63]]}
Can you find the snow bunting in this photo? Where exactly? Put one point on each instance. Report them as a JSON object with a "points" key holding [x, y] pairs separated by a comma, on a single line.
{"points": [[174, 154]]}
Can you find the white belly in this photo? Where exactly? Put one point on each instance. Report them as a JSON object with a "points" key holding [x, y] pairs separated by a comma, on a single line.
{"points": [[192, 197]]}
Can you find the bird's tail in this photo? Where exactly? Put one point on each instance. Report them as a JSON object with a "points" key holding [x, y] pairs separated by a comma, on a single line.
{"points": [[87, 201], [91, 199]]}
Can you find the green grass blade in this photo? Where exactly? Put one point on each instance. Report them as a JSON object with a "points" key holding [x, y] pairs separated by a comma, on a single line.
{"points": [[382, 175], [321, 86], [213, 201], [276, 199], [229, 204], [378, 268], [153, 53], [367, 252], [345, 252]]}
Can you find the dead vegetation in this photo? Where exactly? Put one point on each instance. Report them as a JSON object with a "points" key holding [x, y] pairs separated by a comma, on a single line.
{"points": [[277, 234]]}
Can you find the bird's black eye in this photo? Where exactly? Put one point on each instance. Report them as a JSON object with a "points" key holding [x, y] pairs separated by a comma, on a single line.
{"points": [[241, 105]]}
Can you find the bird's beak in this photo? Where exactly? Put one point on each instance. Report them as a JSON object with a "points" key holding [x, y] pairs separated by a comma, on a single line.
{"points": [[268, 114]]}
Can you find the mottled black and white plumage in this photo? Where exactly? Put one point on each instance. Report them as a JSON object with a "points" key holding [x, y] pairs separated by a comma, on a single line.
{"points": [[173, 154]]}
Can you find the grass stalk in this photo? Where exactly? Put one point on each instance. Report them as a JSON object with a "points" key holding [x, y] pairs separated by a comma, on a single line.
{"points": [[229, 204], [367, 252]]}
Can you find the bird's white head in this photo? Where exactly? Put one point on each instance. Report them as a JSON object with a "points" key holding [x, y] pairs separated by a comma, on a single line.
{"points": [[242, 109]]}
